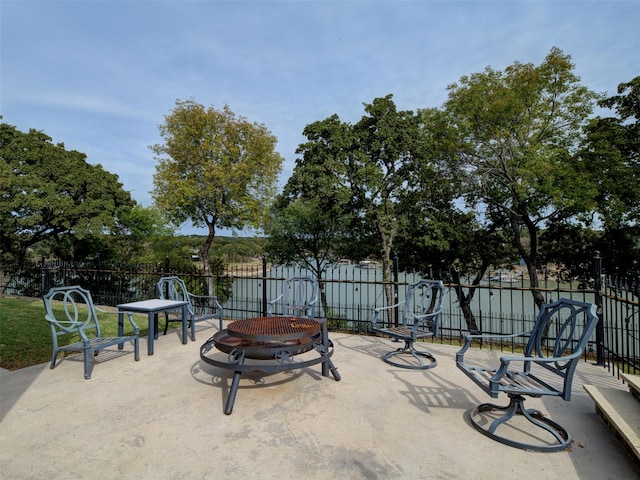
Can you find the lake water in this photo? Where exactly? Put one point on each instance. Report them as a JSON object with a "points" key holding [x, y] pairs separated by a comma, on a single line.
{"points": [[352, 293]]}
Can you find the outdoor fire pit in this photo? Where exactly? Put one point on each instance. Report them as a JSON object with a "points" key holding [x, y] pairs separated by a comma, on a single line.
{"points": [[270, 343]]}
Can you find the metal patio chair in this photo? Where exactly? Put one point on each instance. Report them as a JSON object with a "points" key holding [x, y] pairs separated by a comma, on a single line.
{"points": [[421, 316], [298, 299], [200, 307], [73, 320], [551, 355]]}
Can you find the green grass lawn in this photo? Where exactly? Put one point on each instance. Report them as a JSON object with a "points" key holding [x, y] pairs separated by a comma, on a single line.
{"points": [[25, 337]]}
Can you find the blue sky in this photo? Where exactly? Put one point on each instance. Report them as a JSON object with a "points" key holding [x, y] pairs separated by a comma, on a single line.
{"points": [[99, 76]]}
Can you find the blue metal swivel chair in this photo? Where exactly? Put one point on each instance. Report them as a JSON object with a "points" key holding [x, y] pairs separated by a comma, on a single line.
{"points": [[421, 316], [551, 355]]}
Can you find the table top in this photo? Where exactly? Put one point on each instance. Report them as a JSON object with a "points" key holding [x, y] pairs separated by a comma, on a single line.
{"points": [[151, 305]]}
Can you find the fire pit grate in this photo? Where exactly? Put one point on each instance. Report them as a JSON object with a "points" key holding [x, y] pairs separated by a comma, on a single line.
{"points": [[277, 329]]}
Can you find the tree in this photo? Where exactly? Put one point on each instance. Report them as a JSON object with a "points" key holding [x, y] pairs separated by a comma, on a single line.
{"points": [[314, 221], [570, 247], [438, 238], [611, 155], [388, 149], [519, 131], [359, 171], [139, 229], [216, 169], [302, 231], [50, 193]]}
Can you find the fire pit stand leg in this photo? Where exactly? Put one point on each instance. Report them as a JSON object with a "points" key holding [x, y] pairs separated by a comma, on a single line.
{"points": [[327, 364], [235, 357], [334, 371], [231, 398]]}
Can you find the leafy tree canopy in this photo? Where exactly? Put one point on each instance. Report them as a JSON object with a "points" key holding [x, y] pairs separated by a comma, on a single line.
{"points": [[49, 192], [611, 153], [214, 168], [519, 131]]}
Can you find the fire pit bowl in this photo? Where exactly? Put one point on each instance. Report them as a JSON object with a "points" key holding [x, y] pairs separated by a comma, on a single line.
{"points": [[269, 338]]}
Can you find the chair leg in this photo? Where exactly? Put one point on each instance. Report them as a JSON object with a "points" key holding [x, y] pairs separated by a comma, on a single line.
{"points": [[409, 349], [54, 357], [136, 349], [87, 363], [535, 417]]}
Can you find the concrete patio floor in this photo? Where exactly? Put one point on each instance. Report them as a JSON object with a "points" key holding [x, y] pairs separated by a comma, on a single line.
{"points": [[162, 418]]}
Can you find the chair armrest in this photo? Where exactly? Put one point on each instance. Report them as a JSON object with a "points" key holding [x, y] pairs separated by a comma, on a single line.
{"points": [[206, 297], [214, 297], [389, 307], [469, 337], [136, 329], [272, 303], [275, 300], [83, 336], [377, 311], [486, 336], [62, 323], [506, 361]]}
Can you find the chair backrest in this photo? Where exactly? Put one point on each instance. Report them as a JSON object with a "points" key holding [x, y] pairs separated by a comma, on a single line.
{"points": [[174, 288], [562, 328], [423, 304], [299, 297], [77, 311]]}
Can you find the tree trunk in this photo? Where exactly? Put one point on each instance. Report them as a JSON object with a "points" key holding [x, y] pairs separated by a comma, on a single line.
{"points": [[206, 264], [465, 299], [529, 256], [387, 241]]}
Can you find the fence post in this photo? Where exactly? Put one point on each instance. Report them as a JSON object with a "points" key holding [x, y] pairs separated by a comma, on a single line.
{"points": [[395, 290], [264, 286], [598, 299], [43, 277]]}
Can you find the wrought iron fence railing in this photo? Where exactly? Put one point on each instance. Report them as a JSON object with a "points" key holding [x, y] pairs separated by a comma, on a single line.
{"points": [[350, 293]]}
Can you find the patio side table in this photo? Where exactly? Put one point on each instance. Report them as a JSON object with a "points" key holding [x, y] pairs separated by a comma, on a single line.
{"points": [[152, 308]]}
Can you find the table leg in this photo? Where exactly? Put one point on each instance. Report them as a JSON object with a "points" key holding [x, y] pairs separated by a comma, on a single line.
{"points": [[184, 326], [152, 332], [155, 326], [120, 328]]}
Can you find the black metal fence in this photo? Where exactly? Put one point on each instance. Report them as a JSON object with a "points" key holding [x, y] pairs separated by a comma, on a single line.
{"points": [[350, 293]]}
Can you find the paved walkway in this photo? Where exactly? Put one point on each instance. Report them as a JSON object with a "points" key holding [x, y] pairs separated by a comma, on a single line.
{"points": [[162, 418]]}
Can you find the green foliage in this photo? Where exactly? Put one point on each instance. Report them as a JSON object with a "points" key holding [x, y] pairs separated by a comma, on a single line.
{"points": [[238, 249], [611, 156], [214, 168], [518, 130], [388, 149], [50, 193], [356, 175], [571, 248], [302, 232]]}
